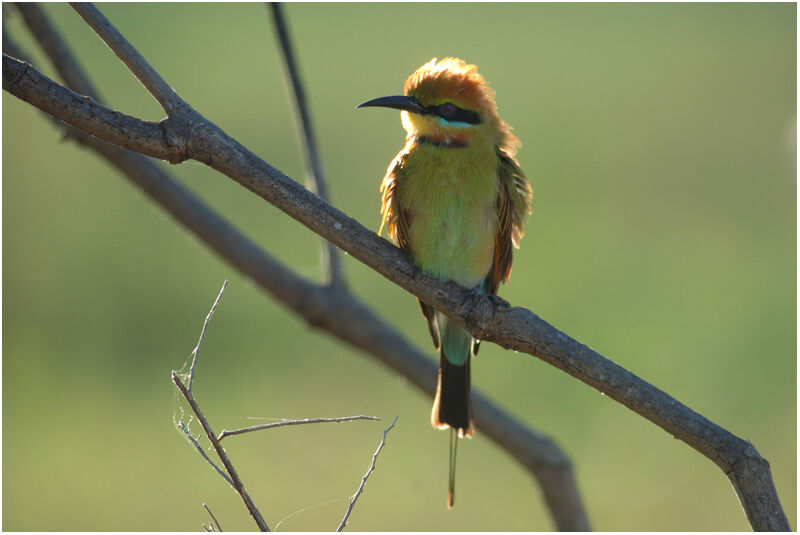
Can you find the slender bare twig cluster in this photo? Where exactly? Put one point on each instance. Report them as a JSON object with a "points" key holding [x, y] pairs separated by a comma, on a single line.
{"points": [[211, 527], [233, 476], [371, 469], [230, 475], [186, 134]]}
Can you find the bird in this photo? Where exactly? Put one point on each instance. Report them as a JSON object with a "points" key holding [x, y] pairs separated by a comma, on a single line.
{"points": [[456, 201]]}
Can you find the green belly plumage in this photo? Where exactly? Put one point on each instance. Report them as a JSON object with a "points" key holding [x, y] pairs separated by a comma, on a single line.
{"points": [[452, 209]]}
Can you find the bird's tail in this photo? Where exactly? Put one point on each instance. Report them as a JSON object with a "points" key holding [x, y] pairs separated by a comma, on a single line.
{"points": [[452, 406]]}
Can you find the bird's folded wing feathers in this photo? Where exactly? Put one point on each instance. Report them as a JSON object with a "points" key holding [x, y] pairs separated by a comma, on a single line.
{"points": [[396, 221], [513, 207]]}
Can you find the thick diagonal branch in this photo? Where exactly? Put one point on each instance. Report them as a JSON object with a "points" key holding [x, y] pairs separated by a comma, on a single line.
{"points": [[82, 112]]}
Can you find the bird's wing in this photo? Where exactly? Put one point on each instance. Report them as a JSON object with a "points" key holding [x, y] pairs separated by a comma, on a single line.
{"points": [[397, 222], [513, 207], [392, 215]]}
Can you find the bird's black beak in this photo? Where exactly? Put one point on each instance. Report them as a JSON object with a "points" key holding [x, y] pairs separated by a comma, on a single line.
{"points": [[397, 102]]}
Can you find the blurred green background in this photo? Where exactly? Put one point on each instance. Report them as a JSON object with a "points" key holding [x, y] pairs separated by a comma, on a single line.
{"points": [[660, 141]]}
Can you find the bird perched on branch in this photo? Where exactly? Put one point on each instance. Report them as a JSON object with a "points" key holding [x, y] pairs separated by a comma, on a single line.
{"points": [[455, 200]]}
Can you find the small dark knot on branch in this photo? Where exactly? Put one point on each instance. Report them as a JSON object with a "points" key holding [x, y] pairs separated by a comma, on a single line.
{"points": [[176, 138]]}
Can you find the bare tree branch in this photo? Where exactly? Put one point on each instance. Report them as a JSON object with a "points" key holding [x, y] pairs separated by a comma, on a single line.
{"points": [[216, 523], [147, 75], [199, 449], [223, 456], [196, 350], [371, 469], [82, 112], [188, 134], [57, 50], [315, 173], [226, 433], [234, 479]]}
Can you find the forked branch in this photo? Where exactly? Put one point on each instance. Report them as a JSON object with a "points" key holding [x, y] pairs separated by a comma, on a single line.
{"points": [[155, 84], [232, 477], [223, 456], [186, 391]]}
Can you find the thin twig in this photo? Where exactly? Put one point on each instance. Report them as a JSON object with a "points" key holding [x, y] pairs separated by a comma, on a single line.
{"points": [[196, 350], [226, 433], [155, 84], [57, 50], [314, 170], [237, 483], [203, 454], [213, 517], [83, 113], [364, 478]]}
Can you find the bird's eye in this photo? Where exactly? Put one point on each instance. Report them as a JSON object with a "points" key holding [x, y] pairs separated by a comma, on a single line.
{"points": [[448, 109]]}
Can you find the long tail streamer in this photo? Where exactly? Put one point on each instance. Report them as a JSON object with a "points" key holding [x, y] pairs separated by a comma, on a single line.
{"points": [[453, 449]]}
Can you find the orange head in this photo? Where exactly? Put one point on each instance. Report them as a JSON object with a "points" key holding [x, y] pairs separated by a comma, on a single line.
{"points": [[448, 101]]}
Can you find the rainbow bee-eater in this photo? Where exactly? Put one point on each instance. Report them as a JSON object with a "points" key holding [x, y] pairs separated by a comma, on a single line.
{"points": [[456, 200]]}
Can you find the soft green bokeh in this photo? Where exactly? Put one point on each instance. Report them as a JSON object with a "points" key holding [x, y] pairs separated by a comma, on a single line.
{"points": [[660, 141]]}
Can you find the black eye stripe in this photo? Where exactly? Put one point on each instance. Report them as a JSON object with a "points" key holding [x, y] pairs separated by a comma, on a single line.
{"points": [[460, 115]]}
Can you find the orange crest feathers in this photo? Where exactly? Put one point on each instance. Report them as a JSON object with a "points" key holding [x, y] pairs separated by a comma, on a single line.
{"points": [[454, 80]]}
